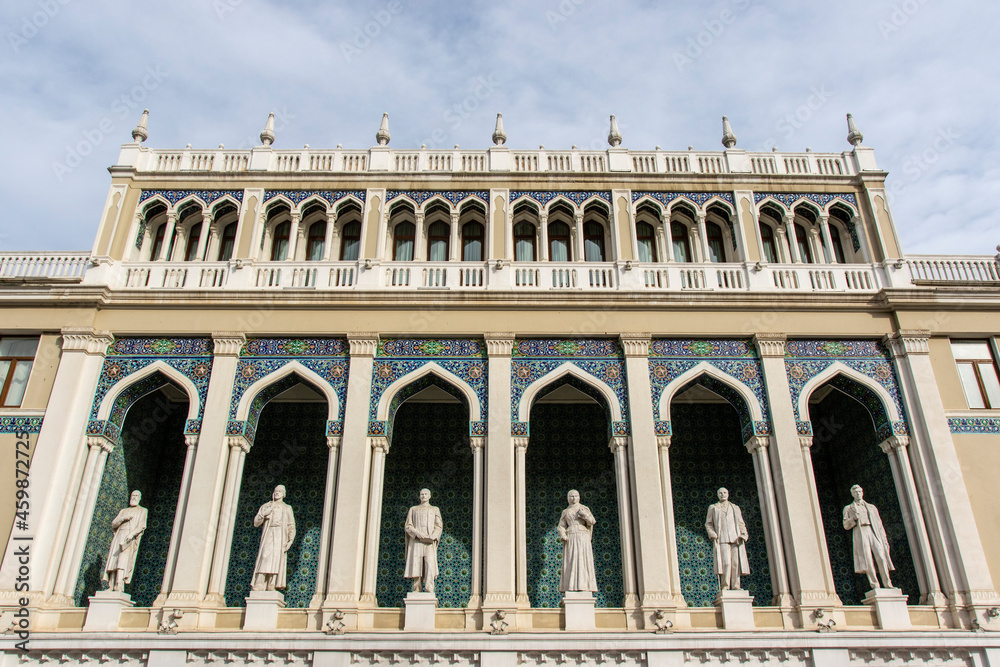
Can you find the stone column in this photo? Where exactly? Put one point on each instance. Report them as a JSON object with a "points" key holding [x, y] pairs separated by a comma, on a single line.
{"points": [[200, 524], [543, 230], [59, 458], [577, 234], [793, 243], [667, 237], [326, 527], [758, 446], [476, 597], [499, 484], [520, 449], [168, 235], [706, 255], [694, 242], [810, 577], [177, 254], [454, 249], [658, 577], [618, 447], [379, 447], [674, 594], [190, 442], [206, 226], [824, 225], [781, 243], [329, 252], [238, 448], [419, 239], [295, 234], [343, 585], [818, 251], [957, 547]]}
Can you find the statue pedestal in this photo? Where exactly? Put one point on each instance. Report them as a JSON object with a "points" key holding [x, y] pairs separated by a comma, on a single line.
{"points": [[105, 610], [262, 610], [579, 611], [890, 608], [736, 608], [419, 611]]}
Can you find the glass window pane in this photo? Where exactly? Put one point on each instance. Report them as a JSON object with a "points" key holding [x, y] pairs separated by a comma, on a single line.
{"points": [[988, 374], [715, 250], [438, 251], [315, 250], [280, 250], [404, 250], [17, 384], [970, 349], [524, 250], [593, 250], [18, 347], [559, 250], [680, 251], [645, 250], [226, 250], [473, 250], [4, 367], [971, 385], [350, 248]]}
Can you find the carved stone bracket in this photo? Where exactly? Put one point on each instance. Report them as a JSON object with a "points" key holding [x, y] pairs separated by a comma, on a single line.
{"points": [[363, 344], [499, 344], [770, 344], [635, 344], [86, 339], [227, 343], [908, 341]]}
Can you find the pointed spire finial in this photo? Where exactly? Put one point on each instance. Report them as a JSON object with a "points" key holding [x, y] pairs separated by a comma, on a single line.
{"points": [[499, 136], [382, 136], [267, 134], [854, 136], [728, 138], [139, 134], [614, 136]]}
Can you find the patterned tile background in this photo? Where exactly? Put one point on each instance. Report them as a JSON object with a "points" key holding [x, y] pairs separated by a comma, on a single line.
{"points": [[290, 449], [705, 453], [845, 452], [568, 449], [150, 458], [430, 449]]}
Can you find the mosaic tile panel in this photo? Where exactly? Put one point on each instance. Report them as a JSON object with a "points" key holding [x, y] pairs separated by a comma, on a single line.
{"points": [[207, 196], [662, 347], [150, 458], [416, 387], [20, 424], [706, 453], [699, 198], [294, 347], [845, 452], [290, 449], [430, 450], [821, 200], [972, 425], [852, 229], [431, 347], [298, 196], [594, 348], [568, 450], [454, 196], [545, 197]]}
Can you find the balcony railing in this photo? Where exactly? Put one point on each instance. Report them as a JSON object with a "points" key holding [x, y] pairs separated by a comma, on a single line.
{"points": [[67, 266]]}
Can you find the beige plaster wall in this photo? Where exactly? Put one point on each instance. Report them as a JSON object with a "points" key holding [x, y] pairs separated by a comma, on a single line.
{"points": [[370, 229], [120, 242], [8, 447], [979, 456], [946, 375], [246, 227], [43, 372], [499, 226], [625, 232]]}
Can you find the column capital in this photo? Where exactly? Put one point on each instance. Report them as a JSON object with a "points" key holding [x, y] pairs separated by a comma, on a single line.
{"points": [[295, 215], [635, 344], [757, 443], [238, 442], [379, 443], [520, 443], [618, 443], [171, 216], [100, 441], [894, 442], [332, 442], [86, 339], [363, 344], [805, 441], [499, 344], [770, 344], [477, 443], [908, 341], [228, 343], [191, 441], [663, 441]]}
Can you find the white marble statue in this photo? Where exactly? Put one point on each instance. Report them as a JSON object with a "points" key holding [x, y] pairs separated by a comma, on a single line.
{"points": [[576, 527], [871, 547], [269, 573], [423, 530], [728, 533], [128, 525]]}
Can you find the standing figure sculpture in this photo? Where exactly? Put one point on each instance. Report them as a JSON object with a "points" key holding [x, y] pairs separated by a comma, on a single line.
{"points": [[871, 547], [269, 573], [728, 534], [128, 525], [576, 527], [423, 530]]}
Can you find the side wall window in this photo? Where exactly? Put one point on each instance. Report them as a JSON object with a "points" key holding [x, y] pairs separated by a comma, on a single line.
{"points": [[978, 371], [16, 358]]}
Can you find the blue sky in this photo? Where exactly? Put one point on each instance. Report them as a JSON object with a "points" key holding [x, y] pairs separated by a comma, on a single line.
{"points": [[920, 77]]}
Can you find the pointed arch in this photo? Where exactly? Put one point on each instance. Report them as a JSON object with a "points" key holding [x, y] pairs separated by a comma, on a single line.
{"points": [[839, 368], [838, 202], [716, 200], [189, 200], [169, 372], [346, 199], [647, 200], [275, 202], [568, 369], [565, 201], [772, 201], [221, 202], [310, 377], [430, 368], [315, 198], [693, 374], [150, 203], [433, 200]]}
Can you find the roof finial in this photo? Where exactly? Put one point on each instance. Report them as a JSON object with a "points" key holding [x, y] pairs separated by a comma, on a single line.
{"points": [[499, 136], [614, 136], [267, 134], [728, 138], [139, 134], [382, 136], [854, 136]]}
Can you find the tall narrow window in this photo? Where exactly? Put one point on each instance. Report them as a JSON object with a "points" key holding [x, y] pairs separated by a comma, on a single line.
{"points": [[805, 254], [472, 242], [978, 372], [154, 251], [679, 236], [279, 242], [437, 242], [593, 242], [194, 236], [350, 241], [767, 239], [645, 235], [16, 357], [716, 252], [402, 247], [228, 242], [317, 241], [524, 242], [838, 247], [558, 242]]}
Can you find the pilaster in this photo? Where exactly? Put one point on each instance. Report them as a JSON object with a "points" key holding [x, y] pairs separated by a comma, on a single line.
{"points": [[499, 542]]}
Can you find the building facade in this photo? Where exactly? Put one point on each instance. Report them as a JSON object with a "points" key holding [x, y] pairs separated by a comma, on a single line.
{"points": [[499, 327]]}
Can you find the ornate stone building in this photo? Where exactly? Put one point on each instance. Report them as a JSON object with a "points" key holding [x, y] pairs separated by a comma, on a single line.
{"points": [[498, 326]]}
